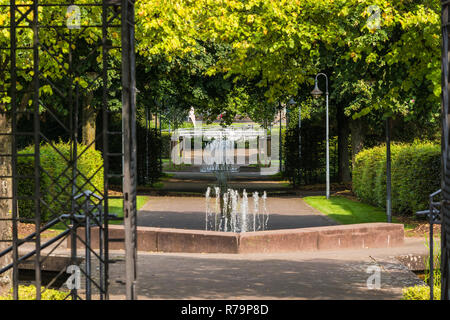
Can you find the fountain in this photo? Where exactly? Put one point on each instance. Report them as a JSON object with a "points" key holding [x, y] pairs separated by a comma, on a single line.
{"points": [[230, 212], [236, 222]]}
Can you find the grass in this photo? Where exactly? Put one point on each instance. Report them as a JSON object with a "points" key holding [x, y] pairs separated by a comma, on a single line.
{"points": [[165, 176], [167, 166], [156, 185], [115, 207], [347, 211]]}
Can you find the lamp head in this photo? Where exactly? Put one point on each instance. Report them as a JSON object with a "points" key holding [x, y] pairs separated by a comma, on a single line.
{"points": [[316, 93], [291, 102]]}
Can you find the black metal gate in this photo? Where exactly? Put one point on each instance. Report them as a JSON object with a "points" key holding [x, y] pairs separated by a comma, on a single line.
{"points": [[445, 207], [51, 43]]}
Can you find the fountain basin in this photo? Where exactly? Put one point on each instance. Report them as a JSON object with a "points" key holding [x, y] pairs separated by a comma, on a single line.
{"points": [[355, 236]]}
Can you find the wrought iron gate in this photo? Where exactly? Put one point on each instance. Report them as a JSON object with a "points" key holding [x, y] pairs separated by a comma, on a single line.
{"points": [[445, 207], [51, 43]]}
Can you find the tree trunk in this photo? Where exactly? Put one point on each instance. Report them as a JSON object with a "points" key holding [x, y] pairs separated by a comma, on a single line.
{"points": [[343, 152], [5, 205], [89, 116], [357, 132]]}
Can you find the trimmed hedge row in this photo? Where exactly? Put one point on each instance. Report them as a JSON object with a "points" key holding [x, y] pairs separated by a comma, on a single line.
{"points": [[415, 173], [148, 165], [165, 144], [55, 179], [311, 168]]}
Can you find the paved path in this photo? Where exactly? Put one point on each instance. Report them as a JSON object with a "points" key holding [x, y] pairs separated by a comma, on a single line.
{"points": [[189, 213], [197, 182], [308, 275], [200, 185], [295, 275], [298, 275]]}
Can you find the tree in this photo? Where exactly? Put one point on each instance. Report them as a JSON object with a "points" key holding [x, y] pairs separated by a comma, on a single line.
{"points": [[392, 70], [184, 81], [386, 67]]}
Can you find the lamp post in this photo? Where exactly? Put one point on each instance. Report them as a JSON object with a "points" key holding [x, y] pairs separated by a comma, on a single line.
{"points": [[388, 171], [316, 93]]}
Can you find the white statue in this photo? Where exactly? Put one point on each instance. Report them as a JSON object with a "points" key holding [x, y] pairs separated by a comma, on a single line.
{"points": [[192, 115]]}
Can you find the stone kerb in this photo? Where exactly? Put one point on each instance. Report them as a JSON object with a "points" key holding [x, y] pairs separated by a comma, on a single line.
{"points": [[368, 235]]}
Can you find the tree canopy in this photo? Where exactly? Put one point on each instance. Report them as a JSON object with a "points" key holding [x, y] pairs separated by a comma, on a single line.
{"points": [[382, 55], [277, 46]]}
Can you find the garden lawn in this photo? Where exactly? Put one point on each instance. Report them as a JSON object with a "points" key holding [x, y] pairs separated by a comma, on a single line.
{"points": [[115, 207], [347, 211]]}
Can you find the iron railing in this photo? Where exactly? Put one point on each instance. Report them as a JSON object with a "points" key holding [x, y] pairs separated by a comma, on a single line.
{"points": [[107, 19], [445, 141], [434, 216]]}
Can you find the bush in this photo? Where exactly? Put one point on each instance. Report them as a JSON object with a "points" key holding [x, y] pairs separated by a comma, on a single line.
{"points": [[311, 168], [55, 178], [29, 293], [421, 293], [165, 144], [415, 173], [292, 169], [148, 145], [148, 156], [364, 173]]}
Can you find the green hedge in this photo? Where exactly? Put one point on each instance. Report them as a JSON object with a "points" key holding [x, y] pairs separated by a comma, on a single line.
{"points": [[415, 172], [55, 179], [421, 293], [165, 144], [29, 293], [148, 162]]}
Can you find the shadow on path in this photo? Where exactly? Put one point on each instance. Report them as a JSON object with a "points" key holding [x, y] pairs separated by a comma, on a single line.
{"points": [[196, 220], [185, 277], [189, 213]]}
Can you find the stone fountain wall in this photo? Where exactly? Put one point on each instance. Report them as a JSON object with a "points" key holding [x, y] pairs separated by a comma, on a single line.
{"points": [[355, 236]]}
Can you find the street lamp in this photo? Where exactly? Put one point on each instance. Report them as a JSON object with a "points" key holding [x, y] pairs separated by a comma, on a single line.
{"points": [[388, 171], [316, 93]]}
